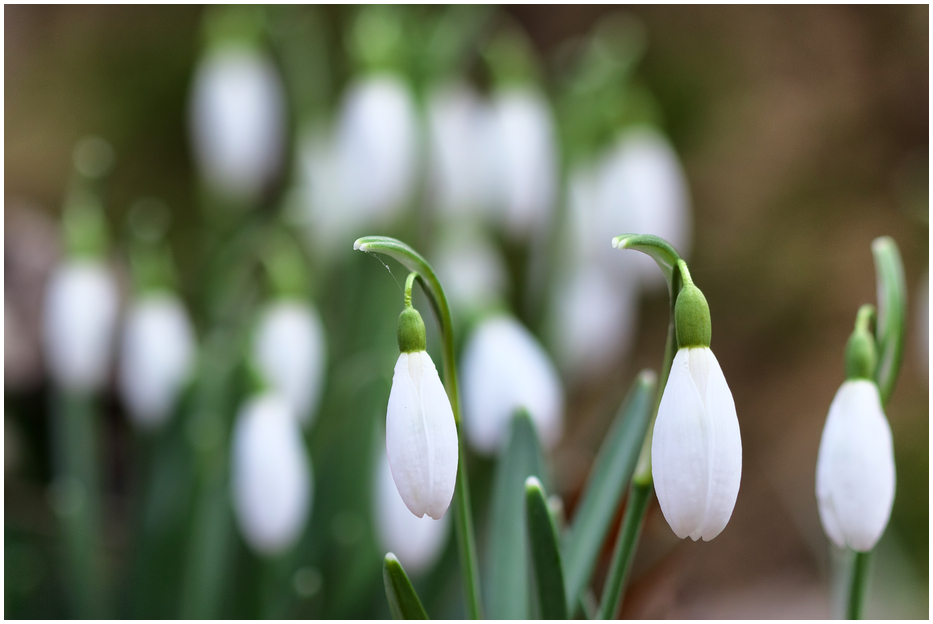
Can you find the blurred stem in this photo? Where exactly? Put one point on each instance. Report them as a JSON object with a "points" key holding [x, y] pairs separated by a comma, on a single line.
{"points": [[638, 499], [466, 541], [77, 501], [859, 585]]}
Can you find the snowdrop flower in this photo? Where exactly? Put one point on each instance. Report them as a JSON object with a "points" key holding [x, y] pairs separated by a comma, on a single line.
{"points": [[505, 368], [417, 542], [79, 317], [472, 270], [855, 464], [459, 131], [696, 449], [525, 153], [237, 120], [421, 435], [642, 188], [271, 475], [594, 320], [157, 356], [290, 350], [375, 143]]}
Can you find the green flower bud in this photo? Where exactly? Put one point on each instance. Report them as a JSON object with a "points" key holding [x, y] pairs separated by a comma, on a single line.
{"points": [[411, 336], [691, 318], [861, 355]]}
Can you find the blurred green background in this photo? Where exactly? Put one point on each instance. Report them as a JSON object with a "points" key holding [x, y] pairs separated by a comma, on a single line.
{"points": [[803, 132]]}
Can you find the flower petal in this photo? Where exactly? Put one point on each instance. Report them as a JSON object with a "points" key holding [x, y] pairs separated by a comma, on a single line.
{"points": [[406, 439], [441, 433], [680, 451]]}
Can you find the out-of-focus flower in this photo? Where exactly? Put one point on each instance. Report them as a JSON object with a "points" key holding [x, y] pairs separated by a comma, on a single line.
{"points": [[290, 349], [462, 174], [593, 322], [472, 271], [504, 368], [237, 120], [271, 475], [525, 152], [157, 355], [643, 190], [78, 323], [417, 542], [376, 149], [855, 467], [696, 451]]}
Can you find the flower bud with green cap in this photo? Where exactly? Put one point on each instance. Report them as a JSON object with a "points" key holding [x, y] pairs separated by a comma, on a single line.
{"points": [[691, 318], [421, 434]]}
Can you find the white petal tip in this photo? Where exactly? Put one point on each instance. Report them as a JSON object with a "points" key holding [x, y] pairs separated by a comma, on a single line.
{"points": [[391, 557], [358, 246], [618, 244], [533, 483]]}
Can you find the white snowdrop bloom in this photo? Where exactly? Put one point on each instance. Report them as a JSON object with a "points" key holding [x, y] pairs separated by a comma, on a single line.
{"points": [[79, 319], [643, 190], [472, 271], [460, 172], [271, 475], [237, 120], [505, 368], [290, 350], [696, 450], [317, 197], [594, 320], [524, 149], [156, 358], [376, 148], [421, 436], [417, 542], [855, 467]]}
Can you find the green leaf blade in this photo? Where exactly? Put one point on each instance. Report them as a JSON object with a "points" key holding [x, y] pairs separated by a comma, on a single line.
{"points": [[892, 303], [507, 589], [612, 471], [403, 601], [545, 553]]}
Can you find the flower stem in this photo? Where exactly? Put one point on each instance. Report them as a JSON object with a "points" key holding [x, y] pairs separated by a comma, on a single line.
{"points": [[638, 498], [859, 585]]}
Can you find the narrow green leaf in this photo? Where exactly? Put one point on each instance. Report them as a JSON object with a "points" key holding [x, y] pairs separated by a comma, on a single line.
{"points": [[608, 480], [624, 551], [545, 553], [507, 588], [403, 601], [892, 303]]}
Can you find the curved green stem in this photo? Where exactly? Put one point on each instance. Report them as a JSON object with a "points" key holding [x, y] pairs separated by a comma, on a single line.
{"points": [[415, 262], [638, 499], [858, 587]]}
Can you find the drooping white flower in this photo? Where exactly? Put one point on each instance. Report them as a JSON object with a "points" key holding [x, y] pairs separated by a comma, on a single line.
{"points": [[471, 269], [290, 350], [79, 319], [524, 149], [696, 450], [421, 436], [504, 368], [237, 120], [271, 475], [157, 355], [643, 189], [855, 467], [461, 171], [417, 542], [594, 320], [376, 148]]}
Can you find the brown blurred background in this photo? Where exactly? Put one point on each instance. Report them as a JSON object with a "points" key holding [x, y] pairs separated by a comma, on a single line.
{"points": [[804, 134]]}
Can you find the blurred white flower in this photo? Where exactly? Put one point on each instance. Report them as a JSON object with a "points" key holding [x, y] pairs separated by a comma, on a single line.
{"points": [[593, 322], [524, 151], [472, 271], [290, 350], [505, 368], [271, 475], [421, 436], [855, 467], [79, 319], [643, 190], [696, 450], [376, 149], [417, 542], [461, 171], [157, 356], [237, 120]]}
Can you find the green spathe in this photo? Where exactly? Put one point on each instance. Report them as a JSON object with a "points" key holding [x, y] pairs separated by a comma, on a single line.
{"points": [[861, 355], [411, 336], [691, 318]]}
